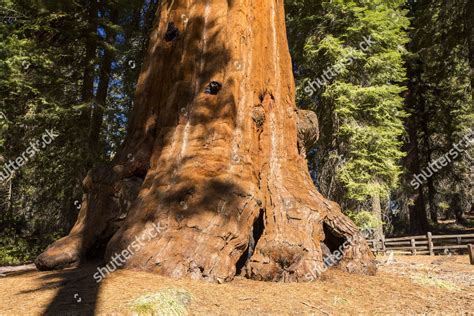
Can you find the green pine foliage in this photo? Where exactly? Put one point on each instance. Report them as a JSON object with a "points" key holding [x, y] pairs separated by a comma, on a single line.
{"points": [[43, 61], [360, 108]]}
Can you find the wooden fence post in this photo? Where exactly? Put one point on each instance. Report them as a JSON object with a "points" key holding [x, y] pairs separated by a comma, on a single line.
{"points": [[430, 243], [470, 249], [413, 247], [383, 244]]}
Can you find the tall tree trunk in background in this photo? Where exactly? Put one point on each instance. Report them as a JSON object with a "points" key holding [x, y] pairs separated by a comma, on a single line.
{"points": [[419, 145], [87, 96], [470, 36], [412, 161], [377, 211], [469, 25], [458, 194], [423, 122], [216, 163], [417, 210], [89, 60], [102, 91]]}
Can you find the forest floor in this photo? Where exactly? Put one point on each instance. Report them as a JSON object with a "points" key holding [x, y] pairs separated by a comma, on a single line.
{"points": [[441, 285]]}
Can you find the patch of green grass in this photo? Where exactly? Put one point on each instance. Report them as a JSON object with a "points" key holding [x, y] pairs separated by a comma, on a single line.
{"points": [[165, 302], [433, 281], [339, 300]]}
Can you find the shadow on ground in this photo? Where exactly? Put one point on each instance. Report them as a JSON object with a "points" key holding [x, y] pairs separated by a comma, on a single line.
{"points": [[77, 291]]}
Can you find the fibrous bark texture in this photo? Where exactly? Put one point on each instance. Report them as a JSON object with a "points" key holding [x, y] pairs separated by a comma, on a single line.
{"points": [[212, 156]]}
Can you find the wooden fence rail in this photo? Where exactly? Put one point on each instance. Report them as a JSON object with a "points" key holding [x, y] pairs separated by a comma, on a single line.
{"points": [[422, 244]]}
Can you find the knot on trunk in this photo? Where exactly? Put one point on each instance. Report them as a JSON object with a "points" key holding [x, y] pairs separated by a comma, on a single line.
{"points": [[172, 33], [308, 129], [258, 116], [213, 88]]}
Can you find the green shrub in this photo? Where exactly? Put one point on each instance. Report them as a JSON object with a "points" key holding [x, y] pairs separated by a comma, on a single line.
{"points": [[18, 246], [364, 220]]}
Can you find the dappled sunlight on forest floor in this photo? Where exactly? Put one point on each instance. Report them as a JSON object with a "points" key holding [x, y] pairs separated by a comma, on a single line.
{"points": [[406, 284]]}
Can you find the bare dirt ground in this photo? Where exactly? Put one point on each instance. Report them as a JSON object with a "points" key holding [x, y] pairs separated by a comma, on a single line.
{"points": [[441, 285]]}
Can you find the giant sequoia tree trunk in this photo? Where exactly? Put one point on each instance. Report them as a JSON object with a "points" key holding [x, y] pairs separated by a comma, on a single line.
{"points": [[212, 156]]}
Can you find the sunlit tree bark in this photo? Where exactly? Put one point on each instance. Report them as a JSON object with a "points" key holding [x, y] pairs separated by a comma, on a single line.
{"points": [[212, 156]]}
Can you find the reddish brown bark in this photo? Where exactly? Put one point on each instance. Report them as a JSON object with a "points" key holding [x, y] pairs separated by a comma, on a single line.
{"points": [[220, 171]]}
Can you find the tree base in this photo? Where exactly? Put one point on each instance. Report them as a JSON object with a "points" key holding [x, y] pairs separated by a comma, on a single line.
{"points": [[213, 245]]}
